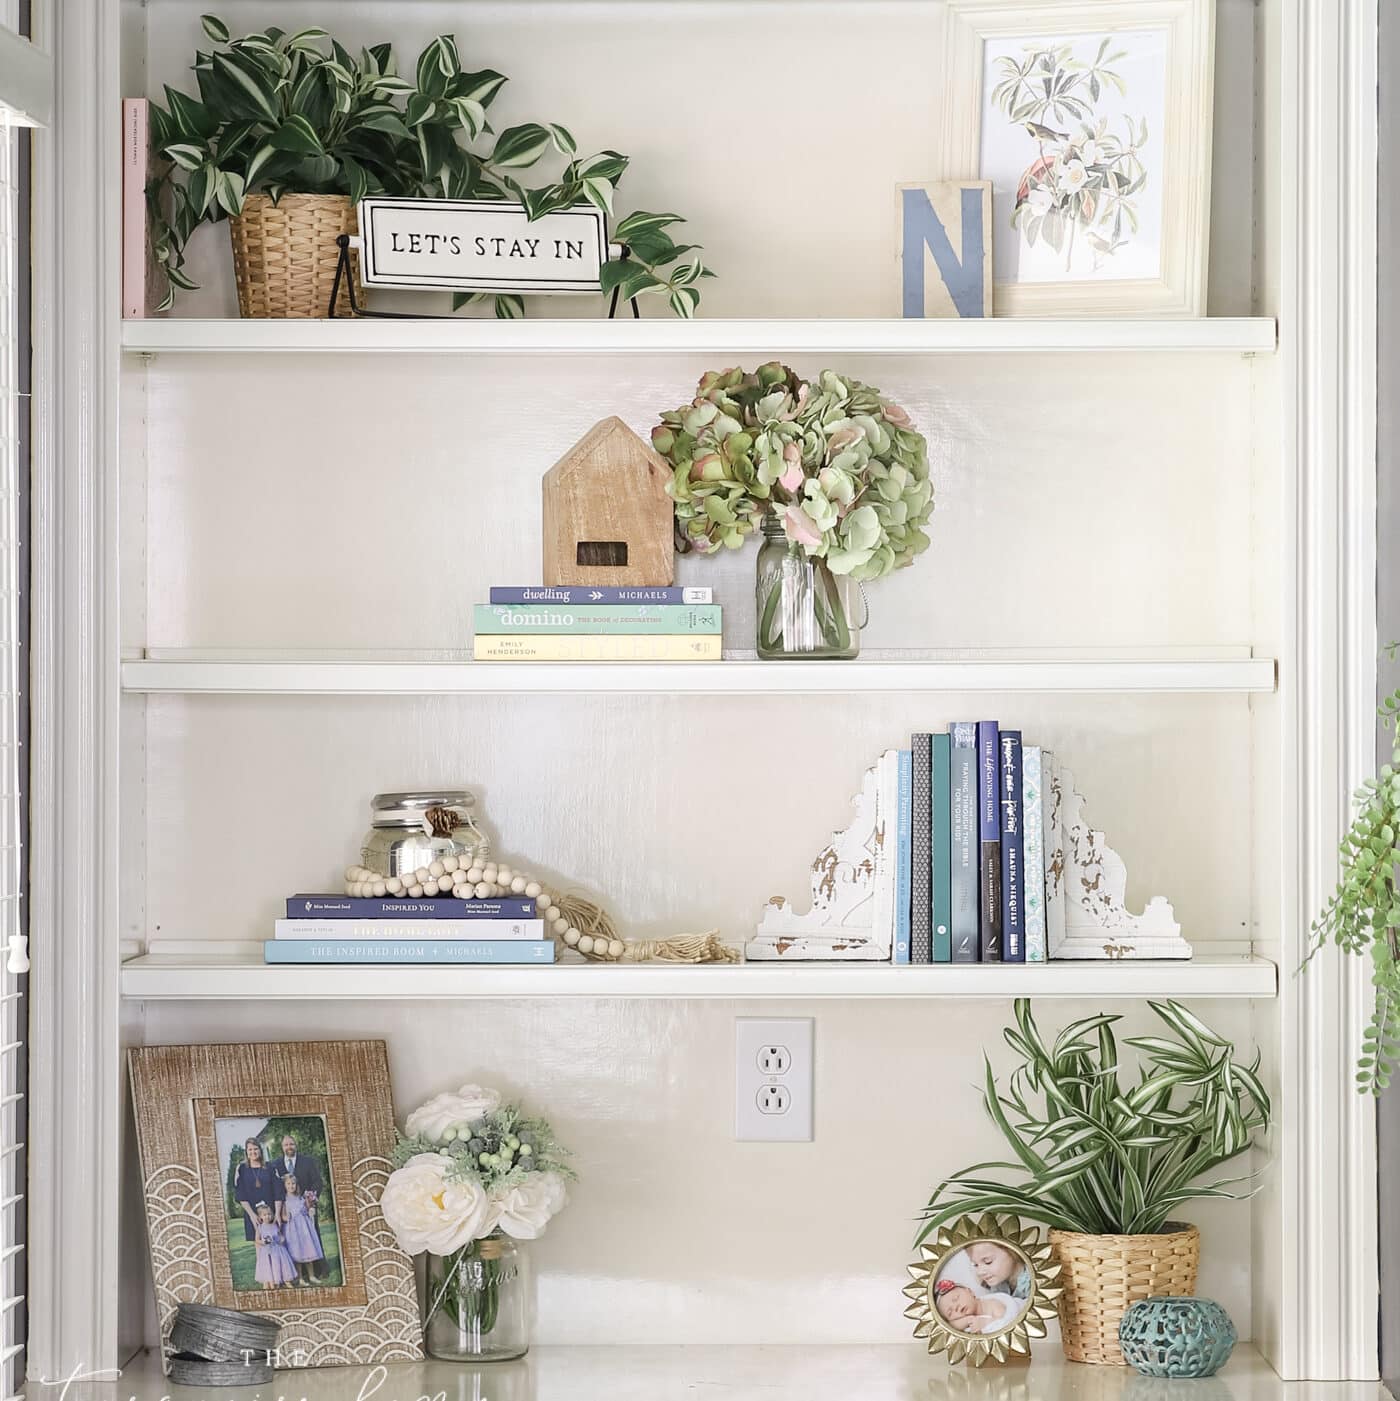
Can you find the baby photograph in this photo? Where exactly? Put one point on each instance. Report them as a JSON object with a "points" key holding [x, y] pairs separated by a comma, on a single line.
{"points": [[982, 1287], [279, 1203]]}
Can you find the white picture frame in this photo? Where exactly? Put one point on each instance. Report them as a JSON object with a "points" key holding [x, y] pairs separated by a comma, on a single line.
{"points": [[1178, 36]]}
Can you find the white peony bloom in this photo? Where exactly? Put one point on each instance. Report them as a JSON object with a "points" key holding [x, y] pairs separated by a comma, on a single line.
{"points": [[1073, 177], [427, 1211], [447, 1110], [524, 1211]]}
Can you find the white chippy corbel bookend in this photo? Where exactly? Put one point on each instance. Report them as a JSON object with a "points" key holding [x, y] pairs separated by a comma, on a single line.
{"points": [[846, 920], [1086, 883]]}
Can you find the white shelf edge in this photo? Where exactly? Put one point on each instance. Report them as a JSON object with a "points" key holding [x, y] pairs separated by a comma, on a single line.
{"points": [[1223, 335], [192, 970], [1252, 675]]}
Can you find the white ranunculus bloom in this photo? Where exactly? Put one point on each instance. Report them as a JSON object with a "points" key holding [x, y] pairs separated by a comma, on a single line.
{"points": [[427, 1211], [524, 1211], [450, 1108]]}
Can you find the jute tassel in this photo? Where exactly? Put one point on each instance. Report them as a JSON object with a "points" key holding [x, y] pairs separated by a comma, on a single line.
{"points": [[595, 922]]}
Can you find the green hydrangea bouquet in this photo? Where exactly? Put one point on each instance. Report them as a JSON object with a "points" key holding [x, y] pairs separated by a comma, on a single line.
{"points": [[830, 468]]}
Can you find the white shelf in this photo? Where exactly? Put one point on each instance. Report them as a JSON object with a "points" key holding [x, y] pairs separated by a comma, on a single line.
{"points": [[194, 676], [1225, 335], [186, 970]]}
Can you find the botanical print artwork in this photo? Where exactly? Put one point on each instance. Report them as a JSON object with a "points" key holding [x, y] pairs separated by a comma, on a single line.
{"points": [[1072, 143]]}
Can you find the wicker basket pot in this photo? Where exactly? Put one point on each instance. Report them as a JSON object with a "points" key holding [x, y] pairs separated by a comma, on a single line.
{"points": [[284, 254], [1103, 1275]]}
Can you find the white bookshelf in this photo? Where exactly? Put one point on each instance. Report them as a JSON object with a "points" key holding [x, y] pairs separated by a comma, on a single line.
{"points": [[475, 336]]}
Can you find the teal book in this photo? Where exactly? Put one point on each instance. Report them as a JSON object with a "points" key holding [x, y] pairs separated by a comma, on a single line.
{"points": [[941, 856], [391, 951], [904, 830], [614, 619]]}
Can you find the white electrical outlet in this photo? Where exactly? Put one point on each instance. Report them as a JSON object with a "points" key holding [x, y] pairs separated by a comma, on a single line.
{"points": [[773, 1079]]}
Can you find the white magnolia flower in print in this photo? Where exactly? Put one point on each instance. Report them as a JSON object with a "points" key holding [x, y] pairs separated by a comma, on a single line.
{"points": [[1073, 177]]}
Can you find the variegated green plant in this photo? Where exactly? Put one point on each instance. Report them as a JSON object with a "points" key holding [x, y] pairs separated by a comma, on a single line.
{"points": [[1100, 1150], [843, 467], [280, 112], [1363, 915]]}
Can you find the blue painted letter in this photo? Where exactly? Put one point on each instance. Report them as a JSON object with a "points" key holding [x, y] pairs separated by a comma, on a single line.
{"points": [[922, 229]]}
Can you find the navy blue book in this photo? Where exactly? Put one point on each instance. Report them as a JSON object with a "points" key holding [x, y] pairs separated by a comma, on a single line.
{"points": [[597, 593], [1013, 851], [989, 841], [448, 907]]}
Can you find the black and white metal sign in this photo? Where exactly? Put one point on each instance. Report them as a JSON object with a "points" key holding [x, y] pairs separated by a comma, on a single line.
{"points": [[470, 245]]}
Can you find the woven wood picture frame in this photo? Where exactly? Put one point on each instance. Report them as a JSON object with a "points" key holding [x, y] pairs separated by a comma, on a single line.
{"points": [[180, 1093]]}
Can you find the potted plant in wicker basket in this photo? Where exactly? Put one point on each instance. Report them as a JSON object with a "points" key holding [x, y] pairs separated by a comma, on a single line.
{"points": [[1107, 1160], [290, 131]]}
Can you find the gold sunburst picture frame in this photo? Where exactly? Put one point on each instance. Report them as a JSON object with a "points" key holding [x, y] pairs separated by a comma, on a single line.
{"points": [[984, 1286]]}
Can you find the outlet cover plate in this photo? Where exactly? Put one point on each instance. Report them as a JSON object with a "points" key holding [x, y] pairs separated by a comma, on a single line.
{"points": [[760, 1045]]}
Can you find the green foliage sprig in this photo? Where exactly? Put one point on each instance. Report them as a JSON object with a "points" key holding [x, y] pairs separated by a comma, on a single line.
{"points": [[499, 1150], [1099, 1152], [1363, 915], [280, 112]]}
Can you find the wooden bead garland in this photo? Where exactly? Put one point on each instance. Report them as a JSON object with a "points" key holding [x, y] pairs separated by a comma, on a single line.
{"points": [[578, 922]]}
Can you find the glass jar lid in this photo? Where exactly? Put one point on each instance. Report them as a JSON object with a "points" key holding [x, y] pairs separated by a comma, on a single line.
{"points": [[410, 809]]}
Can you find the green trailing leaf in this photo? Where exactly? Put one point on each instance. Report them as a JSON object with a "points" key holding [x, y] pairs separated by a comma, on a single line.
{"points": [[520, 146], [215, 28], [1101, 1152]]}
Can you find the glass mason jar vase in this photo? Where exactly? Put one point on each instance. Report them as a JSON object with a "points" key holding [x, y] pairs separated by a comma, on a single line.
{"points": [[478, 1302], [803, 609]]}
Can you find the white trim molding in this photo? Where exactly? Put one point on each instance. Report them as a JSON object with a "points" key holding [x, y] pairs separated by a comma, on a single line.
{"points": [[74, 1059], [1326, 1298]]}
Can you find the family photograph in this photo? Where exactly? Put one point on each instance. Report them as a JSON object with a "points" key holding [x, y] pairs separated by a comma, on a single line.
{"points": [[279, 1203]]}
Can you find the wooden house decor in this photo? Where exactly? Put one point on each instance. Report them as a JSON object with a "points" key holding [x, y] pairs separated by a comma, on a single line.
{"points": [[607, 517]]}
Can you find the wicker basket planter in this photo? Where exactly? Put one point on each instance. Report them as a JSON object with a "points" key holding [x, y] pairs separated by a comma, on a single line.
{"points": [[284, 254], [1103, 1275]]}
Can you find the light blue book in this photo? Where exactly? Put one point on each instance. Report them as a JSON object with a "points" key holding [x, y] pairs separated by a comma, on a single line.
{"points": [[390, 951], [1033, 824], [607, 620], [904, 834]]}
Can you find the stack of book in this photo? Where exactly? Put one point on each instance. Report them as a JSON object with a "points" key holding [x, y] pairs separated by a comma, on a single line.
{"points": [[972, 857], [348, 929], [574, 624]]}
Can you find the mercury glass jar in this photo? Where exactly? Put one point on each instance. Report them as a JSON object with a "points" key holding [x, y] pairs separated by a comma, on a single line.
{"points": [[410, 830], [477, 1304], [803, 609]]}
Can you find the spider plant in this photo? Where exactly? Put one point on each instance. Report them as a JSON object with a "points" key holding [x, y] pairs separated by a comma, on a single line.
{"points": [[1099, 1150]]}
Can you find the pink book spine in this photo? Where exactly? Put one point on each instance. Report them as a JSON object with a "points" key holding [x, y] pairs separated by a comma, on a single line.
{"points": [[135, 153]]}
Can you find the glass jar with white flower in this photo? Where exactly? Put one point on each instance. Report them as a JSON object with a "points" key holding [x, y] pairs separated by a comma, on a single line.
{"points": [[832, 471], [474, 1178]]}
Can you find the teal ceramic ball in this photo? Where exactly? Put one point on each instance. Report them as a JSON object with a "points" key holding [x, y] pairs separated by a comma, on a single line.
{"points": [[1176, 1336]]}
